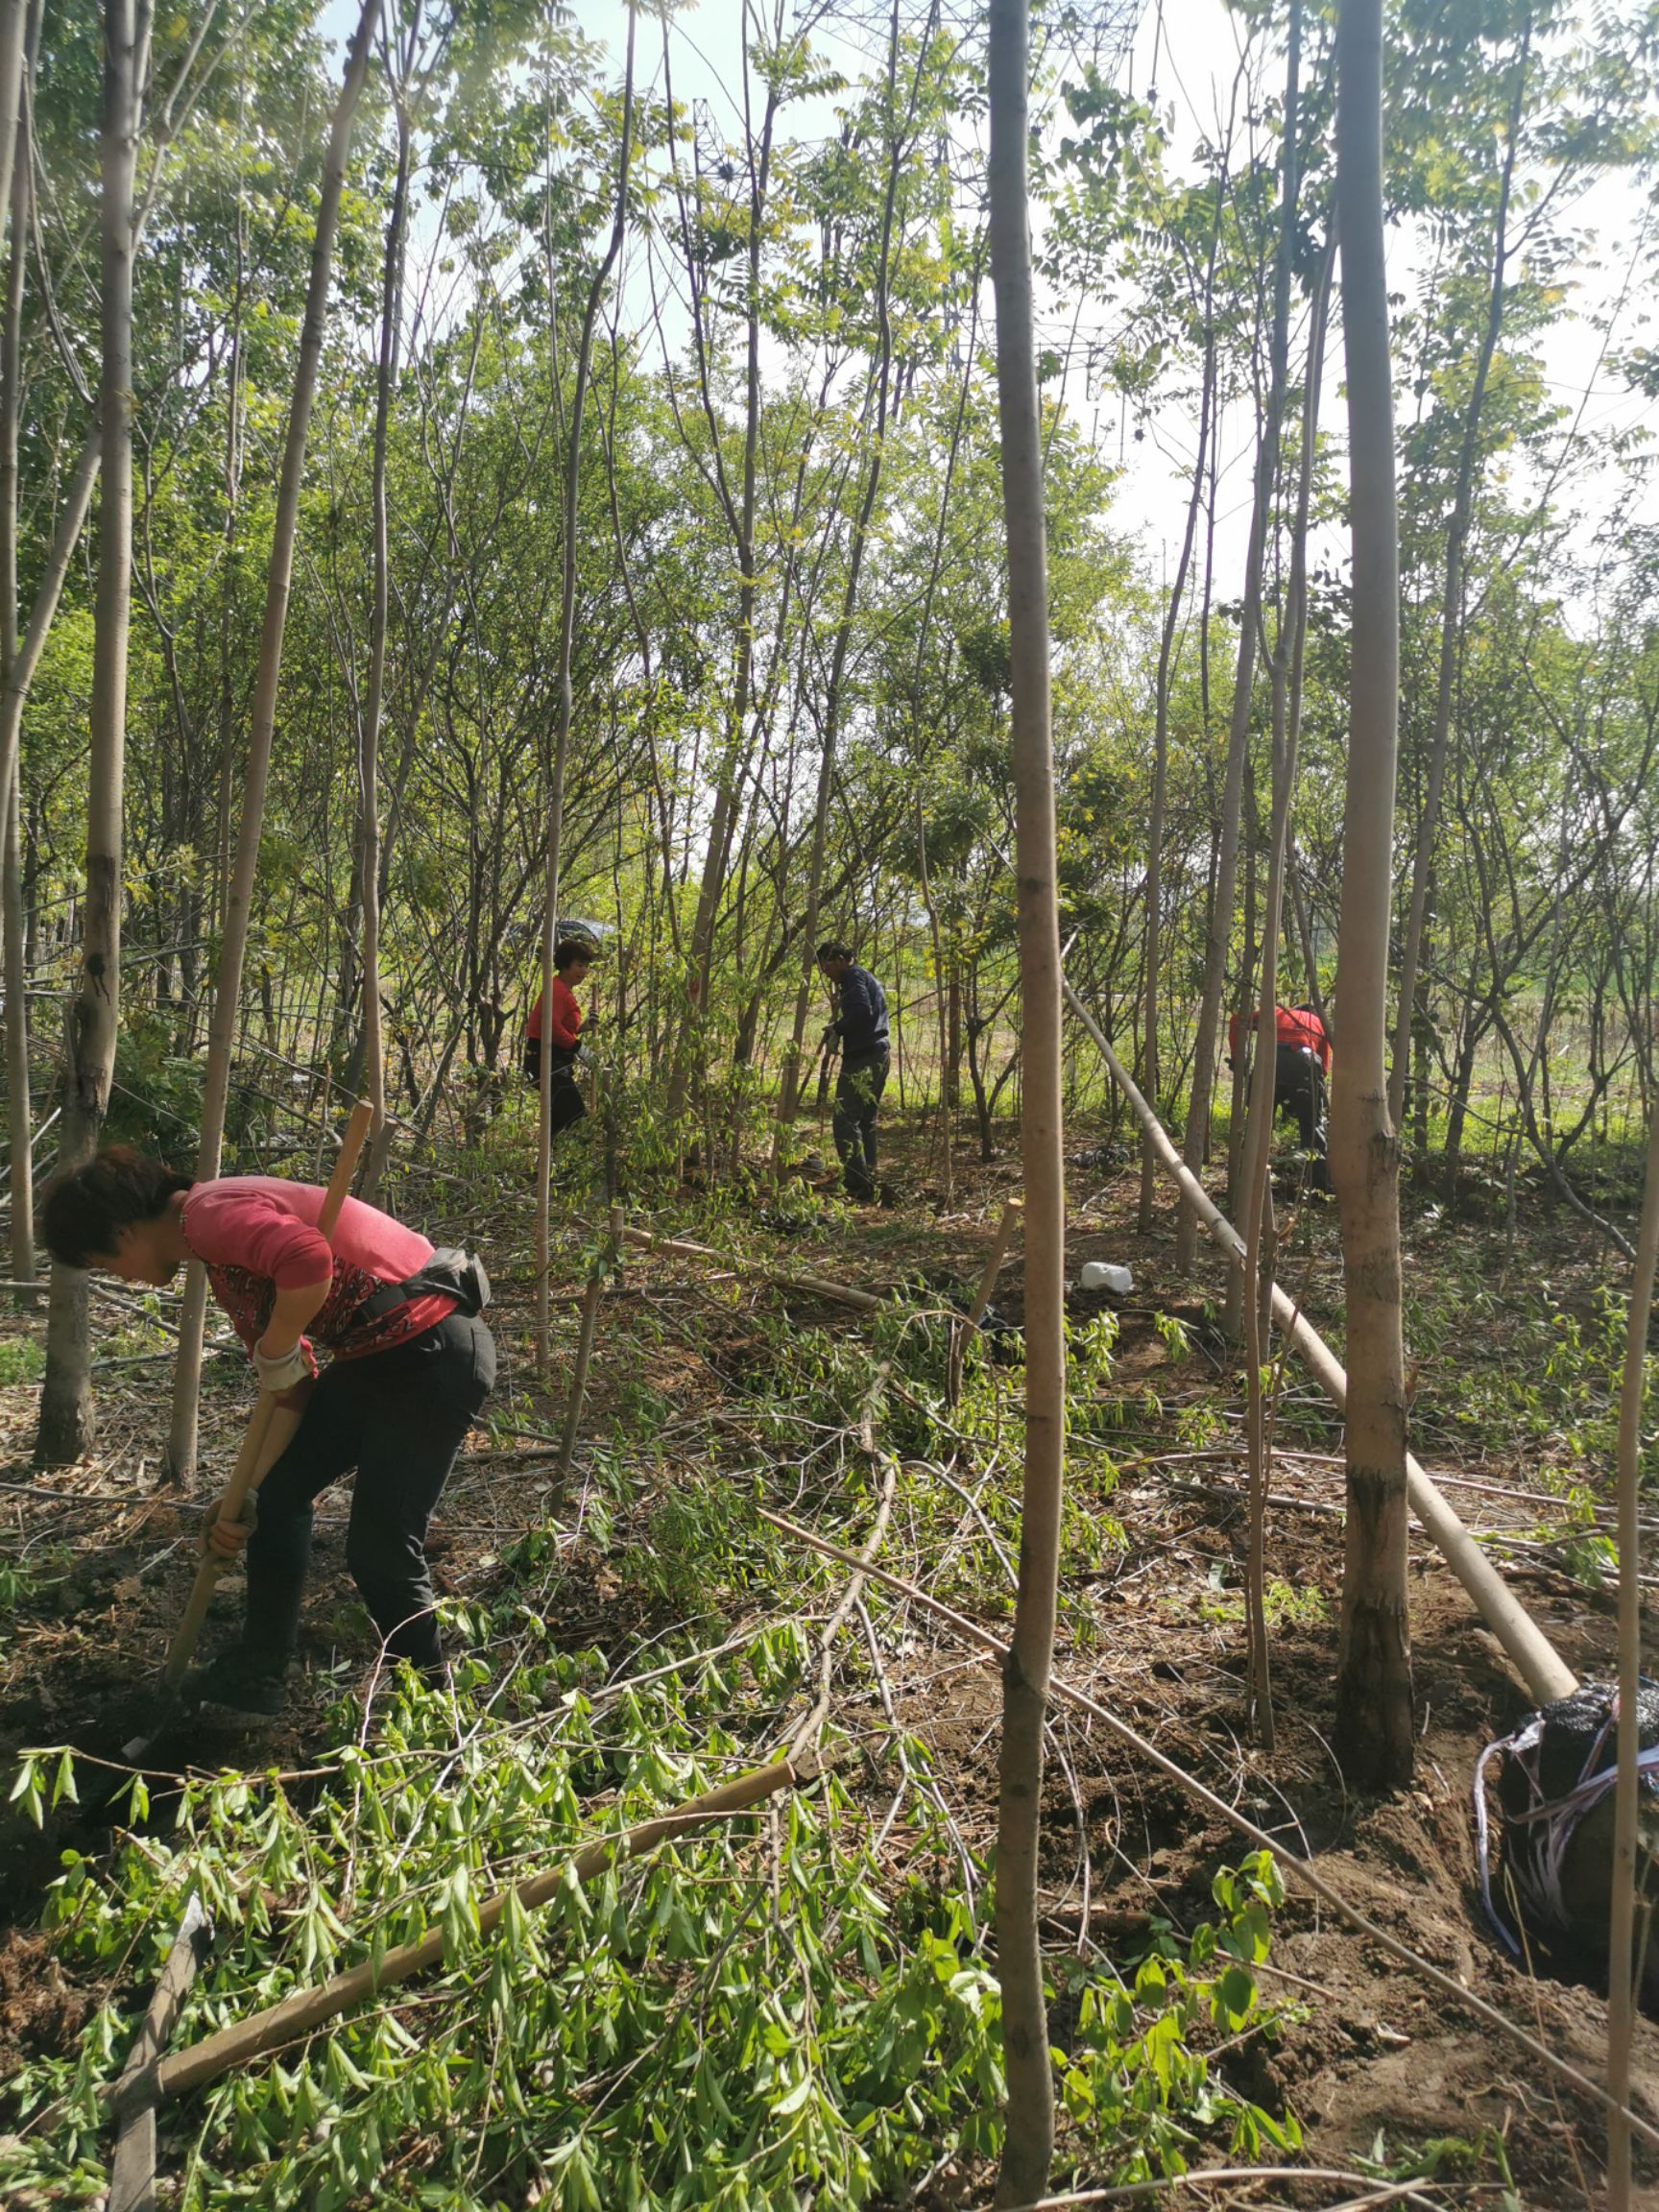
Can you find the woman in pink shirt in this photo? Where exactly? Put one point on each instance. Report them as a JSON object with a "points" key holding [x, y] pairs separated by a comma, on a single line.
{"points": [[411, 1364]]}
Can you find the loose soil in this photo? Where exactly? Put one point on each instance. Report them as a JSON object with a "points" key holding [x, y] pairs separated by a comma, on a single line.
{"points": [[1362, 2050]]}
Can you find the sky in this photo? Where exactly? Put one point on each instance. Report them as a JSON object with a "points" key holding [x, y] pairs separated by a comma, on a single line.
{"points": [[1188, 50]]}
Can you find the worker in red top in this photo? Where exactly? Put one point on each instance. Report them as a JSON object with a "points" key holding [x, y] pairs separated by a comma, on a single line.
{"points": [[573, 958], [413, 1361], [1301, 1064]]}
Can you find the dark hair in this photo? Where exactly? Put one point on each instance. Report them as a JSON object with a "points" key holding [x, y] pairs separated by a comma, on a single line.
{"points": [[832, 949], [571, 949], [86, 1211]]}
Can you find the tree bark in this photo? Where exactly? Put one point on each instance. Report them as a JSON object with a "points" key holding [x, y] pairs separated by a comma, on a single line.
{"points": [[239, 895], [1374, 1699], [562, 742], [373, 1047], [1451, 612], [67, 1425], [1029, 2141]]}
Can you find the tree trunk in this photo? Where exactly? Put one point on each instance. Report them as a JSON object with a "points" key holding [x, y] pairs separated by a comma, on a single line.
{"points": [[16, 967], [1029, 2142], [880, 370], [239, 895], [66, 1416], [561, 743], [373, 1047], [1451, 613], [1374, 1701], [1219, 939]]}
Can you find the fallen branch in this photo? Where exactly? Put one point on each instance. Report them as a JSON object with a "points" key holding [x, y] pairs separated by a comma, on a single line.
{"points": [[971, 1632], [1540, 1666], [133, 2175], [308, 2009], [811, 1722], [816, 1286]]}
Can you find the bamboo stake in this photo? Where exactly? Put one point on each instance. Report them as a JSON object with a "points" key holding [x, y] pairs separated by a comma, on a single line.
{"points": [[308, 2009], [133, 2175], [1301, 1868], [1011, 1214], [1540, 1666], [1623, 1967]]}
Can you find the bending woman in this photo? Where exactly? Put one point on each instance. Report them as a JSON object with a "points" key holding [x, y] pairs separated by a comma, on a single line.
{"points": [[413, 1361]]}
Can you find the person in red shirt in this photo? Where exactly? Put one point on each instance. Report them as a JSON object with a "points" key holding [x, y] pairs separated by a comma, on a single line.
{"points": [[571, 960], [1301, 1064], [411, 1364]]}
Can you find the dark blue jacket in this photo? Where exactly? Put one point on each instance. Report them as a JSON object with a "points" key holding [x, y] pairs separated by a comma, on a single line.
{"points": [[862, 1022]]}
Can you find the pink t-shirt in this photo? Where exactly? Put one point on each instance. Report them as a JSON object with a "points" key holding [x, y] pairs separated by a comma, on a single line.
{"points": [[256, 1235]]}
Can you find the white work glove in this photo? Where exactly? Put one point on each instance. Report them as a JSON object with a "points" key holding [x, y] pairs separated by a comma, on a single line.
{"points": [[284, 1373], [830, 1036]]}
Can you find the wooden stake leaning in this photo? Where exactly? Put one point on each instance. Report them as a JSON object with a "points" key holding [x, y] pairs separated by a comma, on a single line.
{"points": [[1536, 1660], [133, 2175], [1300, 1869], [308, 2009], [1012, 1213], [243, 1479]]}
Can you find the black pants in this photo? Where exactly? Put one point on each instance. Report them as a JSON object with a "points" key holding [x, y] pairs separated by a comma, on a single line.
{"points": [[1299, 1089], [859, 1091], [565, 1103], [399, 1418]]}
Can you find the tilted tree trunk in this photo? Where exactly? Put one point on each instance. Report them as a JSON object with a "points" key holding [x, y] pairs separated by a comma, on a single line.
{"points": [[562, 742], [1452, 615], [240, 897], [66, 1416], [1029, 2142], [1374, 1701]]}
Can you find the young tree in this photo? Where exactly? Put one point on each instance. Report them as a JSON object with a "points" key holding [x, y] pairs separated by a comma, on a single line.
{"points": [[1029, 2142], [239, 899], [66, 1417], [1374, 1678]]}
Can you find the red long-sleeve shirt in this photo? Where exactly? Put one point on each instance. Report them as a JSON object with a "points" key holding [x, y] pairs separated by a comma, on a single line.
{"points": [[566, 1017], [256, 1235], [1291, 1025]]}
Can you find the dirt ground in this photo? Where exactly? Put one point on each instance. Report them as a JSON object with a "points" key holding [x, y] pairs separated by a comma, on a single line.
{"points": [[1364, 2052]]}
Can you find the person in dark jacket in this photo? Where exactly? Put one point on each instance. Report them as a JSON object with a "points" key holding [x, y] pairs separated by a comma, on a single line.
{"points": [[860, 1029]]}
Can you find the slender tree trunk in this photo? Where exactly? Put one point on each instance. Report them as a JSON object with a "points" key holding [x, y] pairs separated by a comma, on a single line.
{"points": [[1029, 2142], [1624, 1963], [374, 1048], [239, 895], [880, 371], [67, 1423], [1374, 1701], [562, 742], [1220, 940], [1451, 613], [18, 1114], [14, 137], [740, 520]]}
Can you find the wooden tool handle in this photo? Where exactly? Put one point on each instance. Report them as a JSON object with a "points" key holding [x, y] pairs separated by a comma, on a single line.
{"points": [[246, 1475]]}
